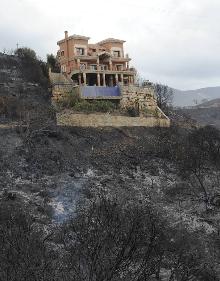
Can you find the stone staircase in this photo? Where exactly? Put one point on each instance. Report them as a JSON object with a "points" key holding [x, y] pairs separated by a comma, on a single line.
{"points": [[59, 79], [61, 85]]}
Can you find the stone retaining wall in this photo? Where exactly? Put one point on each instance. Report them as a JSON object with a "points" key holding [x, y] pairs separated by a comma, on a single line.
{"points": [[59, 91], [143, 98], [108, 120]]}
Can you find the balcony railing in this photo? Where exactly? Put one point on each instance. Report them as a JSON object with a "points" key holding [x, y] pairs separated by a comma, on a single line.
{"points": [[87, 70], [97, 92], [94, 56], [94, 67]]}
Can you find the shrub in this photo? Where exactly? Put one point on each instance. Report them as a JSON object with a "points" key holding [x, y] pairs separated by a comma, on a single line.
{"points": [[24, 254], [94, 106], [111, 239], [83, 106], [70, 99], [104, 106], [133, 111], [151, 112]]}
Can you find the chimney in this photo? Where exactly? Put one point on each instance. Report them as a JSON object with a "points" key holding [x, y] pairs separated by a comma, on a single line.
{"points": [[66, 34]]}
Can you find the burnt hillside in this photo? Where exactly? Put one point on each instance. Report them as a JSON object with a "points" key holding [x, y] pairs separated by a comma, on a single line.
{"points": [[84, 204], [23, 89], [139, 188], [207, 115]]}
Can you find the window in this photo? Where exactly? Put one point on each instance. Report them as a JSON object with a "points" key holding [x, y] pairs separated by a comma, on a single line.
{"points": [[80, 51], [82, 66], [93, 66], [62, 53], [63, 68], [119, 67], [116, 54], [104, 67]]}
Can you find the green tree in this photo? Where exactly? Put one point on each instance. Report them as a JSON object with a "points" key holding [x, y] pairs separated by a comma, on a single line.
{"points": [[34, 69], [26, 52], [53, 63]]}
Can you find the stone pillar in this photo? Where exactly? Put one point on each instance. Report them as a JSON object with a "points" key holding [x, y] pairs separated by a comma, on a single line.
{"points": [[98, 79], [110, 64], [127, 65], [122, 79], [98, 67], [78, 63], [80, 80], [84, 78], [116, 78], [129, 79], [104, 83], [111, 81]]}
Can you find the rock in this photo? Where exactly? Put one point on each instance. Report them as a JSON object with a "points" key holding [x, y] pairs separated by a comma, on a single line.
{"points": [[215, 200], [9, 195]]}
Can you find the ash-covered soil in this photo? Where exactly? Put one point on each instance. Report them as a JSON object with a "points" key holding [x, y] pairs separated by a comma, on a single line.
{"points": [[57, 168], [52, 173], [102, 203]]}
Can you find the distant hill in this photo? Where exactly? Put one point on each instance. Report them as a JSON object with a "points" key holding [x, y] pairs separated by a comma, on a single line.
{"points": [[194, 97], [206, 113], [209, 104], [202, 105]]}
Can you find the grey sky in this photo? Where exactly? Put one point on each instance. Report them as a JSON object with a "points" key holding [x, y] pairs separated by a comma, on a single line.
{"points": [[175, 42]]}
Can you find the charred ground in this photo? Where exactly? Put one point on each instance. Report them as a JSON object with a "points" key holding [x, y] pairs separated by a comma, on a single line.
{"points": [[107, 204]]}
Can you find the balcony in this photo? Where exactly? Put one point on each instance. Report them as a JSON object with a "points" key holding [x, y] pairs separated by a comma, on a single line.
{"points": [[94, 57], [129, 71]]}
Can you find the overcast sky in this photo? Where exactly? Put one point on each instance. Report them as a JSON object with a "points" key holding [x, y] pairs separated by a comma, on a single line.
{"points": [[176, 42]]}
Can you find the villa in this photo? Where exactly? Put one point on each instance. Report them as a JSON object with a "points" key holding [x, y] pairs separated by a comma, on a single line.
{"points": [[101, 64]]}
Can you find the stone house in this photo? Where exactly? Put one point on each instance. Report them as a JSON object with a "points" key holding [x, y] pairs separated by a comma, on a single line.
{"points": [[101, 64]]}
